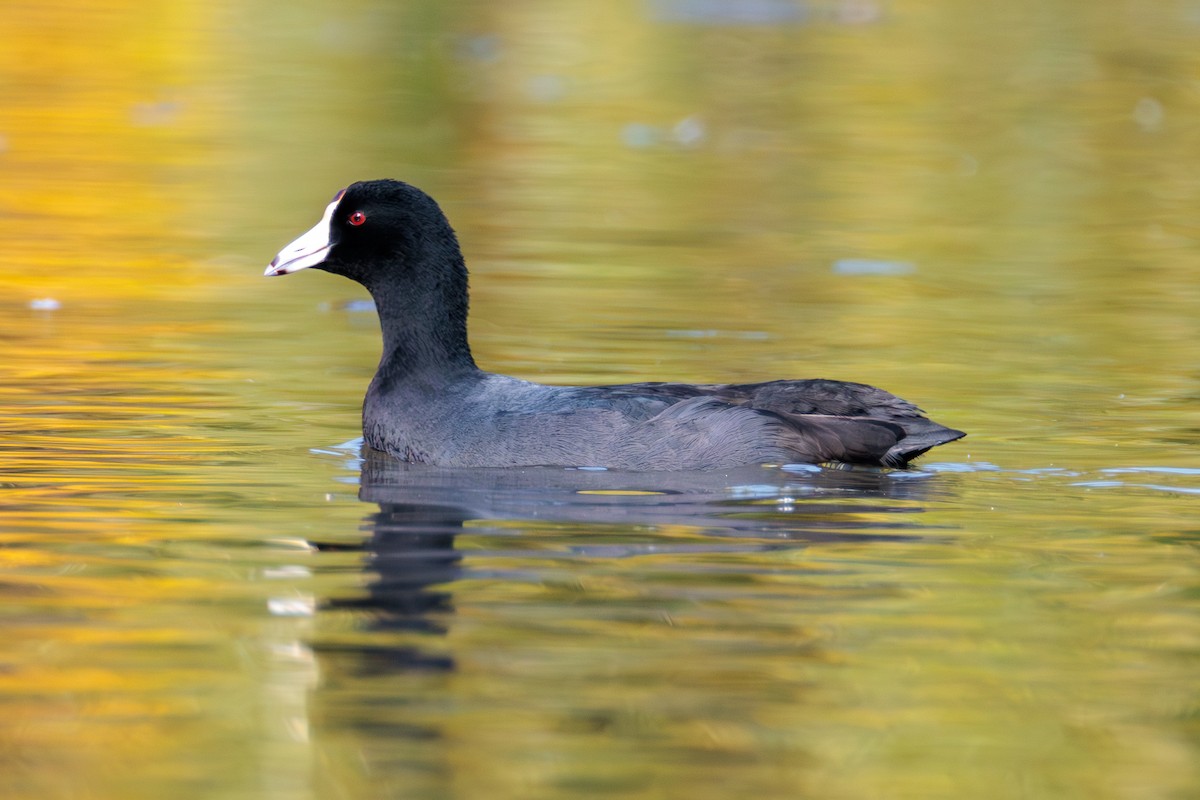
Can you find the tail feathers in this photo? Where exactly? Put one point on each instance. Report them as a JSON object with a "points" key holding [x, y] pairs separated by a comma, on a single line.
{"points": [[816, 438], [917, 443]]}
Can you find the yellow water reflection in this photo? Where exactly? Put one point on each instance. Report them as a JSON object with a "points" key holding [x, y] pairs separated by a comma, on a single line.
{"points": [[986, 207], [107, 118]]}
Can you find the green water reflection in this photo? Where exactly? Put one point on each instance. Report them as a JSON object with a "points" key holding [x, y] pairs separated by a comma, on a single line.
{"points": [[197, 603]]}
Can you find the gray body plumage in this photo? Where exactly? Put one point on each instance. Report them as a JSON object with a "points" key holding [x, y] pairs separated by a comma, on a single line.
{"points": [[489, 420]]}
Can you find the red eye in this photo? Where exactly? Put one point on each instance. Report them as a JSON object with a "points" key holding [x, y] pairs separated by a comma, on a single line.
{"points": [[357, 218]]}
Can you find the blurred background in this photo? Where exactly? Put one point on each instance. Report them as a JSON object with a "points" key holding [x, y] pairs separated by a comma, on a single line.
{"points": [[850, 188], [988, 208], [861, 190]]}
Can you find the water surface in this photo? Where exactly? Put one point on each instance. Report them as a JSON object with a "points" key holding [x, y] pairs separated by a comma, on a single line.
{"points": [[210, 591]]}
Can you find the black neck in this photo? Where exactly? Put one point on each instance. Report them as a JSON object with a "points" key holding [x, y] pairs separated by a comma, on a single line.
{"points": [[424, 325]]}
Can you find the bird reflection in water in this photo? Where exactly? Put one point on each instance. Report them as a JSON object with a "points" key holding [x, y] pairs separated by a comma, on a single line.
{"points": [[412, 560], [397, 690], [410, 553]]}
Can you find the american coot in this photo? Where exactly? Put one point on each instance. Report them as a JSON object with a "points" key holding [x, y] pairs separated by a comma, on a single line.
{"points": [[429, 402]]}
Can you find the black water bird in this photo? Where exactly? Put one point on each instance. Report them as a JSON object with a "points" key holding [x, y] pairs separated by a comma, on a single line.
{"points": [[430, 403]]}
